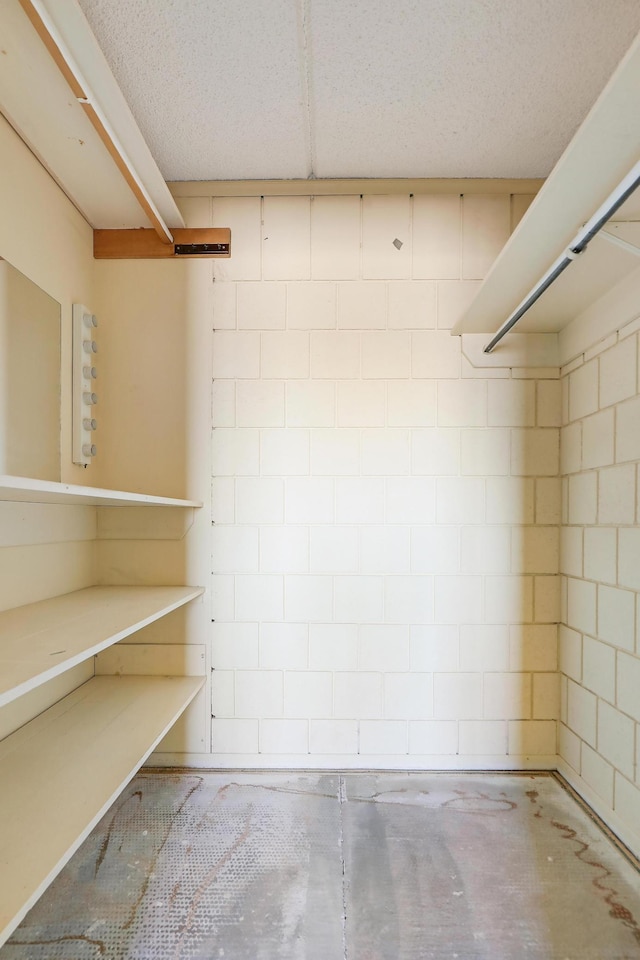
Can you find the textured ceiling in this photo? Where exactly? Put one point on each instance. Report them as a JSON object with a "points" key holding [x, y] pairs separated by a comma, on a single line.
{"points": [[283, 89]]}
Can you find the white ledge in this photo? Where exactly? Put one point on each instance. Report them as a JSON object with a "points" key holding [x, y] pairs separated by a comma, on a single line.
{"points": [[28, 490], [602, 152], [518, 350], [39, 641]]}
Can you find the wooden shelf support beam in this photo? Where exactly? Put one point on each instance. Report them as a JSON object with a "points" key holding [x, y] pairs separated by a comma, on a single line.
{"points": [[140, 244]]}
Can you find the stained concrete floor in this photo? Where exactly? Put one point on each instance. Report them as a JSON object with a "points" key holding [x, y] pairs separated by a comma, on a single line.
{"points": [[339, 867]]}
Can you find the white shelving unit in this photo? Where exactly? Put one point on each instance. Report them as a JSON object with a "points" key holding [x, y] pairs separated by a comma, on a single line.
{"points": [[602, 152], [60, 772]]}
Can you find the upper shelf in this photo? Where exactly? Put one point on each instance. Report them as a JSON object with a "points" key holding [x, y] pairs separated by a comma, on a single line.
{"points": [[39, 641], [24, 489], [601, 154], [42, 106]]}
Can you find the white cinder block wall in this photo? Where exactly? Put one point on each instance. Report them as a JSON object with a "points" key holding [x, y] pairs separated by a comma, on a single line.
{"points": [[599, 736], [385, 547]]}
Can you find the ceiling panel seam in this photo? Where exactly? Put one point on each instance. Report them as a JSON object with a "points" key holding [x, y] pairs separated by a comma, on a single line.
{"points": [[303, 11]]}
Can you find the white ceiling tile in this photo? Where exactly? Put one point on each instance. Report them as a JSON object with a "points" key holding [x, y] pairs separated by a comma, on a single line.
{"points": [[217, 88], [457, 88], [365, 88]]}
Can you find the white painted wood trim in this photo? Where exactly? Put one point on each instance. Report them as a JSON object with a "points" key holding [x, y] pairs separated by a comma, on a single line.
{"points": [[41, 640], [56, 784], [27, 490]]}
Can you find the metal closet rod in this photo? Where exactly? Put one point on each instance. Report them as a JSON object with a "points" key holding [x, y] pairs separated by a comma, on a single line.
{"points": [[577, 246]]}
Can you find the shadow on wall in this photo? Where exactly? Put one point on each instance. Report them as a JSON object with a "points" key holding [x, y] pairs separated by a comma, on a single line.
{"points": [[29, 378], [533, 653], [154, 437]]}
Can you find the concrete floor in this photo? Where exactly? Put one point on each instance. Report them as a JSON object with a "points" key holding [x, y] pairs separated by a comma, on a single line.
{"points": [[329, 867]]}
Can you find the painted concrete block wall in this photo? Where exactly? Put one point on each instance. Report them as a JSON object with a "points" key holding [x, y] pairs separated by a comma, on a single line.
{"points": [[33, 205], [385, 539], [45, 549], [60, 263], [599, 733]]}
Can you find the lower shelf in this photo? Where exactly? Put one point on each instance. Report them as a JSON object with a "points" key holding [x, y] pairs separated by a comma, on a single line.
{"points": [[61, 772]]}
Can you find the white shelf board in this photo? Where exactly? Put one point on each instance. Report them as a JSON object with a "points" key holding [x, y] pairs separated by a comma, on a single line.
{"points": [[61, 772], [602, 152], [27, 490], [41, 640], [598, 269], [39, 104]]}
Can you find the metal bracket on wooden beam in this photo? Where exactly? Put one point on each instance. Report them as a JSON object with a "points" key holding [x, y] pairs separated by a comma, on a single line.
{"points": [[141, 244]]}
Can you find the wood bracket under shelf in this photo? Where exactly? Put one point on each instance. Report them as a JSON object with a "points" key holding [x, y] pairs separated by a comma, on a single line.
{"points": [[200, 243]]}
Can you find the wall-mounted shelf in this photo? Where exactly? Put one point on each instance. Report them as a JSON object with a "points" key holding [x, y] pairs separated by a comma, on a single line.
{"points": [[41, 640], [26, 490], [56, 784], [601, 154], [43, 106], [119, 718]]}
